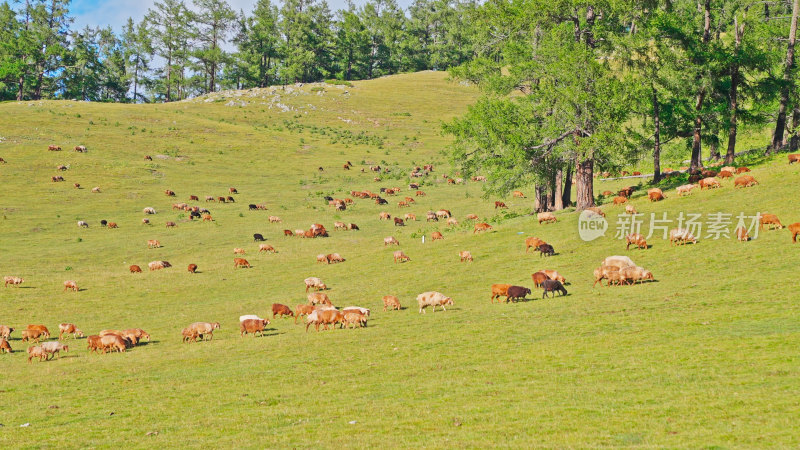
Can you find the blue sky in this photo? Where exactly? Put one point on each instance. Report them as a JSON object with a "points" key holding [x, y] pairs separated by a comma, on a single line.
{"points": [[116, 12]]}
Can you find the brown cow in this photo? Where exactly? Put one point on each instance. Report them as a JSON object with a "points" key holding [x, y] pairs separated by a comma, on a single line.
{"points": [[399, 222], [539, 278], [302, 310], [465, 255], [437, 236], [135, 269], [266, 248], [741, 234], [69, 328], [171, 224], [744, 181], [240, 262], [192, 268], [5, 346], [742, 170], [792, 158], [533, 242], [69, 284], [655, 196], [400, 256], [420, 194], [499, 205], [635, 239], [620, 200]]}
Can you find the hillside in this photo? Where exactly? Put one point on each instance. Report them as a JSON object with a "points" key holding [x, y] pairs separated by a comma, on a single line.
{"points": [[706, 356]]}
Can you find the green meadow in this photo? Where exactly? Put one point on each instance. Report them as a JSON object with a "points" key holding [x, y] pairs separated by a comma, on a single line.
{"points": [[704, 357]]}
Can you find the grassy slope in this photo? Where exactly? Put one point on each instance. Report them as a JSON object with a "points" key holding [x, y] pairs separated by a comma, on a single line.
{"points": [[706, 356]]}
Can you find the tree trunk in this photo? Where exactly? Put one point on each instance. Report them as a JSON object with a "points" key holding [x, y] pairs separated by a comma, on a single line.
{"points": [[558, 195], [169, 77], [567, 194], [21, 87], [780, 123], [656, 137], [734, 92], [794, 142], [696, 162], [540, 203], [713, 152], [584, 189]]}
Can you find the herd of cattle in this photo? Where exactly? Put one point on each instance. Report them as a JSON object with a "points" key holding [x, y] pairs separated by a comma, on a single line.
{"points": [[320, 311]]}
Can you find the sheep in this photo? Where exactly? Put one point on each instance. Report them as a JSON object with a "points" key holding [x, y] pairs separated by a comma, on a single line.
{"points": [[770, 220], [636, 239], [252, 326], [316, 283], [635, 274], [546, 217], [742, 235], [36, 352], [499, 290], [630, 209], [352, 319], [5, 331], [433, 299], [603, 272], [553, 286], [618, 261], [390, 301], [149, 210], [685, 189], [553, 275], [400, 256], [5, 346], [795, 230], [69, 328], [318, 298], [465, 255], [53, 348], [681, 235], [204, 328]]}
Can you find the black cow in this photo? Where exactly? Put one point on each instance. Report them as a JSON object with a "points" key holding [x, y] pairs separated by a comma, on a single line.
{"points": [[546, 250], [517, 292], [103, 222], [252, 206], [258, 237], [380, 201], [553, 286]]}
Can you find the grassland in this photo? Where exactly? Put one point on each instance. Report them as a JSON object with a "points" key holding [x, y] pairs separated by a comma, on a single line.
{"points": [[707, 356]]}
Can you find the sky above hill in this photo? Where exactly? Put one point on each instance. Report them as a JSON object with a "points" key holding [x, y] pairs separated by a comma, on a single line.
{"points": [[116, 12]]}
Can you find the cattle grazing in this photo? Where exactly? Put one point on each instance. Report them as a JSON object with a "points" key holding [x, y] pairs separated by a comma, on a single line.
{"points": [[546, 217], [625, 192], [171, 224], [274, 219], [419, 194], [391, 302], [517, 292], [793, 158], [288, 233], [384, 216], [233, 190], [436, 236], [443, 214], [724, 174], [744, 181], [533, 242], [431, 216], [57, 148], [96, 190], [5, 347], [238, 251], [472, 217], [83, 224], [5, 331], [742, 170], [192, 268], [112, 225], [148, 158], [636, 239], [553, 286], [353, 319], [69, 284], [252, 206], [253, 326], [153, 243], [324, 318], [499, 205], [596, 210], [655, 196], [481, 227], [433, 299], [546, 250], [240, 262], [36, 352], [554, 275], [94, 343], [465, 255], [149, 210], [770, 220], [399, 222], [319, 298], [390, 241], [14, 281], [230, 199], [334, 258], [518, 194], [258, 237], [169, 193], [409, 216], [135, 269], [281, 310], [400, 256], [682, 236], [189, 335], [316, 283], [339, 226], [80, 148], [630, 209], [620, 200], [302, 310], [630, 275], [499, 290]]}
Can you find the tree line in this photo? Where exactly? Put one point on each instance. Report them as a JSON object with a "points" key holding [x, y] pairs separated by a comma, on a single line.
{"points": [[181, 49], [570, 87]]}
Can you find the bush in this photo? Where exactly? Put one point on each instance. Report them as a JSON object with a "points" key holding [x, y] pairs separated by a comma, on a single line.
{"points": [[339, 83]]}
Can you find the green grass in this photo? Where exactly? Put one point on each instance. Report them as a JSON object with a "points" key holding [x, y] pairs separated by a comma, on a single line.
{"points": [[704, 357]]}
